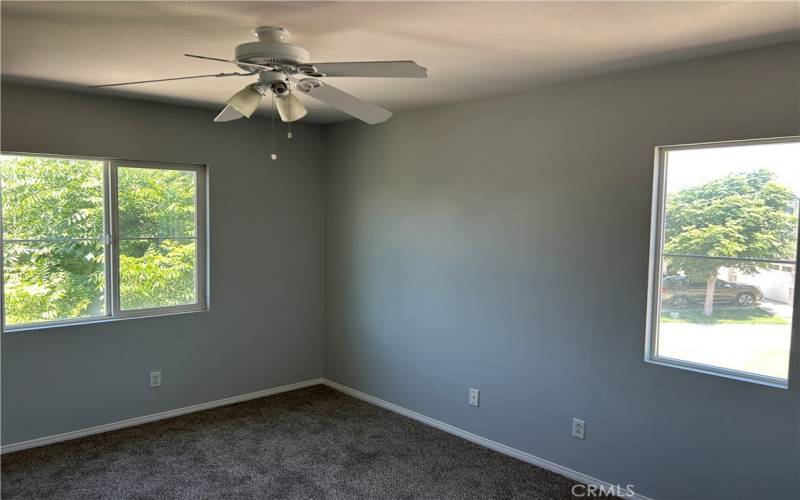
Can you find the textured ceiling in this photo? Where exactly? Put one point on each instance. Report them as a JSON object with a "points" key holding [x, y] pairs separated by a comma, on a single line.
{"points": [[471, 49]]}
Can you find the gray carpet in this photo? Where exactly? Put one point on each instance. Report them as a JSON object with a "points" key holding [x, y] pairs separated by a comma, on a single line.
{"points": [[310, 443]]}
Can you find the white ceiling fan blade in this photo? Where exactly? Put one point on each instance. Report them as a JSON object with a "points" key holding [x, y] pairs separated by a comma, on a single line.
{"points": [[341, 100], [232, 61], [290, 108], [243, 104], [215, 75], [372, 69]]}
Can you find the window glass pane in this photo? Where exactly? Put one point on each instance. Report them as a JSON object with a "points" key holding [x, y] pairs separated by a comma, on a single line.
{"points": [[51, 197], [53, 250], [746, 326], [157, 228], [156, 203], [157, 273], [733, 201], [49, 281], [727, 267]]}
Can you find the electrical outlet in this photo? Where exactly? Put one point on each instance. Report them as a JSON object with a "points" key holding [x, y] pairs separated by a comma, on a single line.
{"points": [[155, 379], [474, 397], [578, 428]]}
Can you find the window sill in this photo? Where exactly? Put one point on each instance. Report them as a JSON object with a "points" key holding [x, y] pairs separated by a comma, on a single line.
{"points": [[105, 319], [719, 372]]}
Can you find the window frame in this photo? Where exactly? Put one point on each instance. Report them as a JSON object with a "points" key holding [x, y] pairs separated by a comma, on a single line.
{"points": [[657, 222], [113, 312]]}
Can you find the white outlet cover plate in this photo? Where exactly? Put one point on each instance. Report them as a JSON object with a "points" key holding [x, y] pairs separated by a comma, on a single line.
{"points": [[579, 428], [474, 397], [155, 379]]}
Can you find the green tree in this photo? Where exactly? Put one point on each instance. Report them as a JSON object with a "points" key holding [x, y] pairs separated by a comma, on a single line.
{"points": [[739, 215], [157, 230], [52, 232]]}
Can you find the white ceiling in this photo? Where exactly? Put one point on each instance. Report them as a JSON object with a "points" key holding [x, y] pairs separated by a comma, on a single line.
{"points": [[471, 49]]}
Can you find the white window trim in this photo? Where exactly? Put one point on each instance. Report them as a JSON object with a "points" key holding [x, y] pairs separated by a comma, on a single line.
{"points": [[111, 236], [656, 267]]}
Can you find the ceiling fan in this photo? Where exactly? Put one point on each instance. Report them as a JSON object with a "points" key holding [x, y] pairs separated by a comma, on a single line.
{"points": [[283, 69]]}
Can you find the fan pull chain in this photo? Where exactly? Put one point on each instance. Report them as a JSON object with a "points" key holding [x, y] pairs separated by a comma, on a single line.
{"points": [[274, 154], [289, 134]]}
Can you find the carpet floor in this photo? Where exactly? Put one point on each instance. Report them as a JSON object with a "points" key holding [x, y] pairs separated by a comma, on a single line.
{"points": [[306, 444]]}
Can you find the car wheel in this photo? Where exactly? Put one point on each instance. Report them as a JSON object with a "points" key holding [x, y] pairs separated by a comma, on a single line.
{"points": [[746, 299], [680, 302]]}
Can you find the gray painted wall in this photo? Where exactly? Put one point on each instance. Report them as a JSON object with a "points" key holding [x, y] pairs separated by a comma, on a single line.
{"points": [[503, 244], [265, 325]]}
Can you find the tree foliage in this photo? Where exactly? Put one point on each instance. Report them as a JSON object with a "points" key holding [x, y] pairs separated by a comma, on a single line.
{"points": [[740, 215], [53, 233]]}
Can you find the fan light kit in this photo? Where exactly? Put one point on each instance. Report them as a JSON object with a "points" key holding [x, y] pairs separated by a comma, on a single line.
{"points": [[283, 69]]}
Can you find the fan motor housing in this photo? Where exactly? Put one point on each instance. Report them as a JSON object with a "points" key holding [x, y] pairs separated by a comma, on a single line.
{"points": [[271, 49]]}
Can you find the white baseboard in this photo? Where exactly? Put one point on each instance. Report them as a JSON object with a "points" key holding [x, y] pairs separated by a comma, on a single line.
{"points": [[66, 436], [488, 443]]}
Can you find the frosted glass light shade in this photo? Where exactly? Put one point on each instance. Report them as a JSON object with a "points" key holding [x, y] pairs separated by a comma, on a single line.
{"points": [[290, 108], [243, 104]]}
